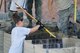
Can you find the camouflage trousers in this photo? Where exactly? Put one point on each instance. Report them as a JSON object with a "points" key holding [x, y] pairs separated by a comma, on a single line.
{"points": [[38, 11], [64, 19]]}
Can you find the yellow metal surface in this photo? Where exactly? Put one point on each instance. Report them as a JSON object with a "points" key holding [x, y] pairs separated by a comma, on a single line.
{"points": [[75, 10]]}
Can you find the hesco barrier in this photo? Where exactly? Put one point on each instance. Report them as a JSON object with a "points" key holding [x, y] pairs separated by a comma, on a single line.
{"points": [[7, 42], [1, 41]]}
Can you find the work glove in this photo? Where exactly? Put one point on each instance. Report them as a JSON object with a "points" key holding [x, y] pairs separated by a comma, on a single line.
{"points": [[41, 25]]}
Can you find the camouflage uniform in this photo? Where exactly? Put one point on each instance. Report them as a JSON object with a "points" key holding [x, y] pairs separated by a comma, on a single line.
{"points": [[65, 8], [63, 22]]}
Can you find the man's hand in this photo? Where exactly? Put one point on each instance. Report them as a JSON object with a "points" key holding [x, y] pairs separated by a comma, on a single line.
{"points": [[41, 25]]}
